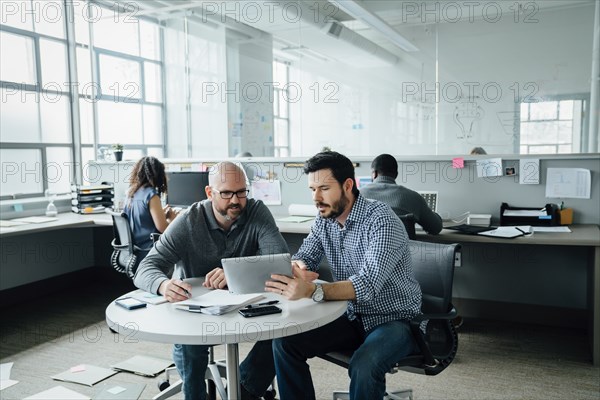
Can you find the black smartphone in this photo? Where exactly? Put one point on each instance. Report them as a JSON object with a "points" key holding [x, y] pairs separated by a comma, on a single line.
{"points": [[130, 303], [257, 311]]}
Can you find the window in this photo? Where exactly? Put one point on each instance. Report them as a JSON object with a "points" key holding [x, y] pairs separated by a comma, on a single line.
{"points": [[121, 101], [551, 127], [281, 118], [128, 106], [35, 122]]}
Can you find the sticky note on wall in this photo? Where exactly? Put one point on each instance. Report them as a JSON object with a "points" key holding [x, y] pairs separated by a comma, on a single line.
{"points": [[458, 162]]}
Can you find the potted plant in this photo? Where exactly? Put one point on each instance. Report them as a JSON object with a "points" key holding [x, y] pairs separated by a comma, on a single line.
{"points": [[118, 151]]}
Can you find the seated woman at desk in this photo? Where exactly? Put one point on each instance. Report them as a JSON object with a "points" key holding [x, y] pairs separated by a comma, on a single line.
{"points": [[143, 206]]}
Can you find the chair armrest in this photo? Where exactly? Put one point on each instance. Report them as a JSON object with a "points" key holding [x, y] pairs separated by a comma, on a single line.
{"points": [[415, 327], [424, 317]]}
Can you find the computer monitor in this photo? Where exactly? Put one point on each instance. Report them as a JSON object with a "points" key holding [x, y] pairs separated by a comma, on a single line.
{"points": [[186, 188], [430, 198]]}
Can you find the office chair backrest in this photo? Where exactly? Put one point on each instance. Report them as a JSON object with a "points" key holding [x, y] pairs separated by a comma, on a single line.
{"points": [[409, 224], [124, 257], [433, 266]]}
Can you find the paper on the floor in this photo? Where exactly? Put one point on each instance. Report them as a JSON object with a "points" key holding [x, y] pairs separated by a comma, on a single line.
{"points": [[90, 376], [7, 383], [5, 371], [58, 393], [5, 380], [143, 365], [120, 391]]}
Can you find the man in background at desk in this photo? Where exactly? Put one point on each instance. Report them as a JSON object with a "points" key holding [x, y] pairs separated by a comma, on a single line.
{"points": [[367, 248], [225, 225], [384, 170]]}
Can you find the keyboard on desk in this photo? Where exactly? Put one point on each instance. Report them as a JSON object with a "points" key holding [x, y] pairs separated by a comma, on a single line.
{"points": [[470, 229]]}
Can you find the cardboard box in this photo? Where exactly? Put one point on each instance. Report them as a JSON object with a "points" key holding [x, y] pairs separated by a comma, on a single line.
{"points": [[566, 216]]}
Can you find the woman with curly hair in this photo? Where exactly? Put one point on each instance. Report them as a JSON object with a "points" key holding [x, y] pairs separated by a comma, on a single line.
{"points": [[143, 206]]}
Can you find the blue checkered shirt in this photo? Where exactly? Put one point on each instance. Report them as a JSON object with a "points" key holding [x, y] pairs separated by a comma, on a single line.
{"points": [[372, 252]]}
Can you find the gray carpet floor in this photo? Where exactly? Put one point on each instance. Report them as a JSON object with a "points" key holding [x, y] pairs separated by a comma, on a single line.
{"points": [[496, 360]]}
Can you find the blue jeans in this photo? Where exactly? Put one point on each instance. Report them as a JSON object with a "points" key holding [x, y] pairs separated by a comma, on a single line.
{"points": [[368, 366], [257, 371]]}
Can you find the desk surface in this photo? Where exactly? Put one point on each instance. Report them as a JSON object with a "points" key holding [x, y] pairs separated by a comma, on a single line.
{"points": [[580, 235], [165, 324], [65, 220]]}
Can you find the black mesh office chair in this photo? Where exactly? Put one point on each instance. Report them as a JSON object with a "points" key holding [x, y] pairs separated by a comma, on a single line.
{"points": [[409, 224], [433, 266], [125, 256]]}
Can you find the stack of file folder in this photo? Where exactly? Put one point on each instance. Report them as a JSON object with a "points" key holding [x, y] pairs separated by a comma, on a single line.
{"points": [[218, 302], [91, 199]]}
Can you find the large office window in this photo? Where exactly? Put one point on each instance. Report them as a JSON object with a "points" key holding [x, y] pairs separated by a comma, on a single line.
{"points": [[281, 107], [119, 90], [551, 127], [35, 118], [120, 82]]}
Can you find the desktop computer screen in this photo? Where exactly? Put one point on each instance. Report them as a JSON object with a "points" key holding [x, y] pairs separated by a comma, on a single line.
{"points": [[185, 188]]}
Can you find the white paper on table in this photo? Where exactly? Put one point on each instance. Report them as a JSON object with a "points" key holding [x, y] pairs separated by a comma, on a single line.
{"points": [[557, 229], [267, 191], [574, 183], [489, 167], [529, 171]]}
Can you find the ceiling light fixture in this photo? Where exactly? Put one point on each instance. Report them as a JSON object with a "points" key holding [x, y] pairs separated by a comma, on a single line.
{"points": [[357, 11]]}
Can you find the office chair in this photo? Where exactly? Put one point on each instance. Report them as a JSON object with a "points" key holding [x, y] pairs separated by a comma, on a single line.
{"points": [[433, 267], [409, 224], [125, 255]]}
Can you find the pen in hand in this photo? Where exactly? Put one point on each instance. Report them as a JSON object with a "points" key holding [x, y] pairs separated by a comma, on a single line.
{"points": [[181, 278]]}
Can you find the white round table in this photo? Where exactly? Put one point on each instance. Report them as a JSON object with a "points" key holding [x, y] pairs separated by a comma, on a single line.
{"points": [[166, 324]]}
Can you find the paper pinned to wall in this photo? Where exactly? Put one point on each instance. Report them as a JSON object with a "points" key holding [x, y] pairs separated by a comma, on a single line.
{"points": [[489, 167], [267, 191], [573, 183], [529, 171]]}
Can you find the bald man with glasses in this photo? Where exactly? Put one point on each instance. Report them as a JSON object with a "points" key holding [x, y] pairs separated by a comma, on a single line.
{"points": [[227, 224]]}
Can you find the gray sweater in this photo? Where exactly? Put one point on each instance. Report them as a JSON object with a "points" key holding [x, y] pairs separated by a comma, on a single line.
{"points": [[197, 243], [403, 201]]}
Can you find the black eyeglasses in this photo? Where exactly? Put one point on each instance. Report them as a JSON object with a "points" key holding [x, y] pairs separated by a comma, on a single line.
{"points": [[227, 194]]}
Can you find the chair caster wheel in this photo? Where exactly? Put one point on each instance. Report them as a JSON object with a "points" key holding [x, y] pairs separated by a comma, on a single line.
{"points": [[162, 385], [270, 395]]}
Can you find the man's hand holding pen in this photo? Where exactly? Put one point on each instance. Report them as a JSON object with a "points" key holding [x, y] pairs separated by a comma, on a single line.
{"points": [[175, 290]]}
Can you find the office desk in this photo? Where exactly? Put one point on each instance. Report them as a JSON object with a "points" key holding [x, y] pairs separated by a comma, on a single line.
{"points": [[165, 324], [65, 220], [585, 236]]}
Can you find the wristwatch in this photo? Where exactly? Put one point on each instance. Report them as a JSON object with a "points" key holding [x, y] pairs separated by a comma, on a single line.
{"points": [[318, 295]]}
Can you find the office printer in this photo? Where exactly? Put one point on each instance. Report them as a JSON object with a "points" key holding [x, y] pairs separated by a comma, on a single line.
{"points": [[542, 216]]}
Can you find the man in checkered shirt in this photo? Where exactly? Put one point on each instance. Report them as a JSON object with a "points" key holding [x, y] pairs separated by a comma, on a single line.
{"points": [[367, 247]]}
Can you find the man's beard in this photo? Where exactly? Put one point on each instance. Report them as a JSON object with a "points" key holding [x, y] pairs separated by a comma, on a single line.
{"points": [[336, 209], [235, 207]]}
